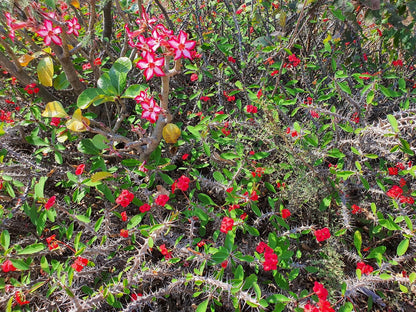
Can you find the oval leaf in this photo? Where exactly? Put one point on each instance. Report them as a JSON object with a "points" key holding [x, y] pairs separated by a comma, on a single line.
{"points": [[45, 71], [31, 249], [54, 109], [24, 60], [98, 176], [78, 123], [402, 248]]}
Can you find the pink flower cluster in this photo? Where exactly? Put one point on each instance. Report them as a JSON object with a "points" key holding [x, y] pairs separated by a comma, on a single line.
{"points": [[151, 110], [270, 258]]}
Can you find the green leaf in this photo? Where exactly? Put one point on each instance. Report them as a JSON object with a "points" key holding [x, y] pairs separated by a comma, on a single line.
{"points": [[402, 247], [19, 264], [344, 174], [61, 82], [377, 253], [259, 155], [106, 85], [229, 155], [83, 218], [202, 307], [90, 96], [393, 123], [135, 220], [229, 241], [220, 255], [278, 298], [335, 153], [31, 249], [44, 264], [5, 239], [118, 73], [358, 241], [133, 91], [344, 87], [86, 146], [338, 14], [204, 198]]}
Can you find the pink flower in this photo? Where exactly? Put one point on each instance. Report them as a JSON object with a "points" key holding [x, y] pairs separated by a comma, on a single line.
{"points": [[8, 266], [151, 111], [73, 26], [80, 169], [322, 234], [226, 225], [285, 213], [49, 33], [86, 66], [182, 45], [162, 199], [50, 202], [143, 208], [125, 198], [151, 65]]}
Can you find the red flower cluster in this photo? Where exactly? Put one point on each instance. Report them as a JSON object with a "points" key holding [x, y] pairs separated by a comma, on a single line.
{"points": [[123, 216], [162, 199], [285, 213], [314, 114], [394, 192], [251, 109], [79, 264], [365, 268], [397, 63], [258, 172], [229, 98], [194, 77], [293, 134], [6, 116], [182, 183], [50, 202], [226, 225], [19, 299], [204, 98], [231, 59], [322, 234], [270, 258], [293, 61], [52, 242], [165, 252], [355, 118], [55, 121], [124, 233], [393, 171], [31, 88], [145, 207], [323, 304], [355, 209], [253, 196], [125, 198], [8, 266]]}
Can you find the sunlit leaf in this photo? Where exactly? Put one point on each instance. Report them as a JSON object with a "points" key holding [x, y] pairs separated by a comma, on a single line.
{"points": [[24, 60], [171, 133], [45, 71], [54, 109], [78, 123], [98, 176], [75, 3]]}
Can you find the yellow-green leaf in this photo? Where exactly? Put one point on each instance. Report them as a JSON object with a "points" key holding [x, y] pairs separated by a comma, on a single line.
{"points": [[54, 109], [45, 71], [75, 3], [98, 176], [78, 123]]}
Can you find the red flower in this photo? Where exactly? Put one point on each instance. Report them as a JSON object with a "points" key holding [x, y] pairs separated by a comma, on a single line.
{"points": [[55, 121], [393, 171], [275, 72], [143, 208], [86, 66], [19, 299], [251, 109], [231, 59], [226, 225], [270, 261], [400, 166], [205, 98], [243, 216], [185, 156], [182, 46], [309, 307], [294, 133], [8, 266], [165, 252], [97, 61], [365, 57], [407, 199], [355, 209], [135, 296], [224, 264], [80, 169], [182, 183], [322, 234], [261, 246], [285, 213], [79, 264], [124, 216], [49, 33], [320, 291], [194, 77], [325, 306], [294, 60], [365, 268], [229, 190], [124, 233], [397, 63], [232, 207], [314, 114], [52, 242], [151, 110], [151, 65], [402, 182], [162, 199], [50, 202], [394, 192], [125, 198]]}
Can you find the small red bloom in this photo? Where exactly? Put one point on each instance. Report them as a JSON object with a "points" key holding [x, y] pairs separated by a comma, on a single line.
{"points": [[365, 268], [243, 216], [8, 266], [185, 156], [231, 59], [80, 169], [124, 233], [229, 190], [50, 202], [285, 213], [400, 166], [294, 134], [201, 243], [19, 299], [97, 61], [86, 66], [135, 296], [145, 207], [224, 264], [52, 242], [125, 198], [275, 72], [322, 234], [251, 109], [123, 216], [394, 192], [261, 246], [309, 307], [355, 209], [226, 225], [182, 183], [194, 77], [270, 261], [162, 199], [320, 291], [165, 252], [205, 98], [393, 171], [55, 121], [402, 182], [79, 264]]}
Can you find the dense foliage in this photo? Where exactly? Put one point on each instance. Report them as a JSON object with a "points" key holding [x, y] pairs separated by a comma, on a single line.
{"points": [[207, 155]]}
